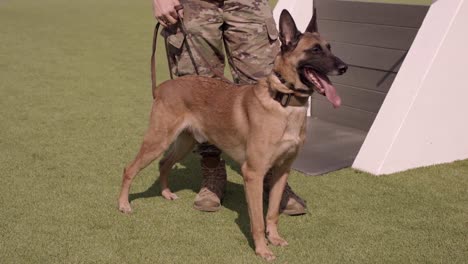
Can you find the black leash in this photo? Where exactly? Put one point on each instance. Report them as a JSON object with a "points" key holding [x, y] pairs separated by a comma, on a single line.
{"points": [[153, 60]]}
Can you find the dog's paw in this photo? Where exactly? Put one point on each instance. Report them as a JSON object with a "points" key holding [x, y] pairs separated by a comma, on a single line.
{"points": [[277, 241], [167, 194], [265, 253], [125, 207]]}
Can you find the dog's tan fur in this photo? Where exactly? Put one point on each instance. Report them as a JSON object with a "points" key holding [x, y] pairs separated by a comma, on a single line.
{"points": [[243, 121]]}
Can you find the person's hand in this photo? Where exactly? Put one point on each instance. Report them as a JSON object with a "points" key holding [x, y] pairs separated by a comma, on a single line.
{"points": [[165, 12]]}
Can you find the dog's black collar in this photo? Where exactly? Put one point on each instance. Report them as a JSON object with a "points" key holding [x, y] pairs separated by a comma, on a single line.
{"points": [[283, 81], [289, 85], [285, 98]]}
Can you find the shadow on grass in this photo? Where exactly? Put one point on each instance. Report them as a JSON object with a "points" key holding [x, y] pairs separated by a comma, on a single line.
{"points": [[189, 178]]}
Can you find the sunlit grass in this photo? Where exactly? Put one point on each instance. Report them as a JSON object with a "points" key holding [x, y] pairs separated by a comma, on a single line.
{"points": [[75, 97]]}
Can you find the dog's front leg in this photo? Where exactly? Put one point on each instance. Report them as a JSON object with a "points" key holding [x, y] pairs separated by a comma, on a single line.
{"points": [[253, 185], [277, 183]]}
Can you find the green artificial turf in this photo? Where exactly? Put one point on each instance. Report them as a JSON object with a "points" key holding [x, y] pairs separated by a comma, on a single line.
{"points": [[75, 97]]}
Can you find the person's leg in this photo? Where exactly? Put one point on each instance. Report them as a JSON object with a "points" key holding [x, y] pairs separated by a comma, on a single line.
{"points": [[214, 180], [251, 41], [203, 20]]}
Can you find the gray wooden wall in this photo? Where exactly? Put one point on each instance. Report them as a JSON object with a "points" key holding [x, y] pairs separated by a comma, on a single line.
{"points": [[373, 40]]}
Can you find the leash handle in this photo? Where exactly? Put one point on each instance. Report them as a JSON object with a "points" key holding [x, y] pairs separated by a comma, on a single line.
{"points": [[178, 8]]}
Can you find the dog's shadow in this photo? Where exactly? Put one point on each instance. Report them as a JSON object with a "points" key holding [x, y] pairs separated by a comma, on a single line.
{"points": [[189, 178]]}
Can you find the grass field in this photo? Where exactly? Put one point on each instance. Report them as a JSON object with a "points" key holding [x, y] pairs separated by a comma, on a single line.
{"points": [[75, 96]]}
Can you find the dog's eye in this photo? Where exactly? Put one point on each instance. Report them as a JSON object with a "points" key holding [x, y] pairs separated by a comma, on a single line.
{"points": [[317, 49]]}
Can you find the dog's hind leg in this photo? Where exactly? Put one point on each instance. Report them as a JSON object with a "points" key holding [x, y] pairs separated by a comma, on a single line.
{"points": [[150, 150], [162, 131], [179, 149]]}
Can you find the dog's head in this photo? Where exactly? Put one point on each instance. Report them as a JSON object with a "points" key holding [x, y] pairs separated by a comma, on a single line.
{"points": [[308, 58]]}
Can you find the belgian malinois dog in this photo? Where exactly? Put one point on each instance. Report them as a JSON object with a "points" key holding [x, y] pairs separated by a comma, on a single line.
{"points": [[260, 126]]}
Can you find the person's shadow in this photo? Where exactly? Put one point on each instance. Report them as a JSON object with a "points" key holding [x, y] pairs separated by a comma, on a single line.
{"points": [[190, 178]]}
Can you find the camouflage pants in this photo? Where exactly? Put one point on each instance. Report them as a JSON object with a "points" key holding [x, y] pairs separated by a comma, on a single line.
{"points": [[244, 30]]}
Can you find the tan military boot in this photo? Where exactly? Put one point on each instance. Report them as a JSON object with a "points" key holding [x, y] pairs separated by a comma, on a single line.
{"points": [[212, 189], [291, 203]]}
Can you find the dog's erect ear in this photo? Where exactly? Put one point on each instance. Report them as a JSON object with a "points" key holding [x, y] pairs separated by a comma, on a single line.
{"points": [[289, 35], [312, 27]]}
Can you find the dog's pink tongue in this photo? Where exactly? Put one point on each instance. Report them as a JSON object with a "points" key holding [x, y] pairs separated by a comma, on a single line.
{"points": [[330, 91]]}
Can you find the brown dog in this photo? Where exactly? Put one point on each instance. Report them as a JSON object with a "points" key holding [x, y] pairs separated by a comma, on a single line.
{"points": [[260, 126]]}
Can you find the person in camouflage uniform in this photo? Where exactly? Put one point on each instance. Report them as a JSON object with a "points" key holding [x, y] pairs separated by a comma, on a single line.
{"points": [[246, 31]]}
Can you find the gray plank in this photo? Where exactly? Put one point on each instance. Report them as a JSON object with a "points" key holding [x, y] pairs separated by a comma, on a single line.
{"points": [[368, 34], [345, 116], [366, 78], [329, 147], [358, 98], [371, 13], [369, 57]]}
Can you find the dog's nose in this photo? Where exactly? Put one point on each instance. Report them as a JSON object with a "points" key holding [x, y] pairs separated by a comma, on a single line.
{"points": [[342, 68]]}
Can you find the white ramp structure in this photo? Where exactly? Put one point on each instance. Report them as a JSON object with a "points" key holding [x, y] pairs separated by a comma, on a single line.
{"points": [[423, 120], [301, 10]]}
